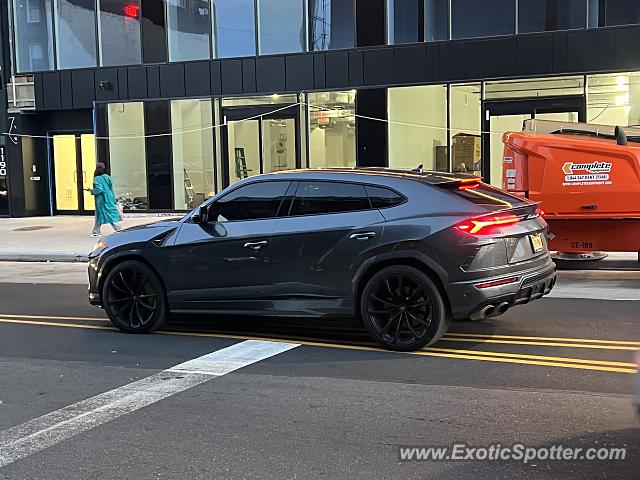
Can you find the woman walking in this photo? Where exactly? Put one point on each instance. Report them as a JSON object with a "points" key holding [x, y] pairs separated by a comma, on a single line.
{"points": [[106, 209]]}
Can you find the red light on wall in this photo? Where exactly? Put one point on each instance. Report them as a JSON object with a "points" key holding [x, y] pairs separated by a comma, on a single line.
{"points": [[131, 10]]}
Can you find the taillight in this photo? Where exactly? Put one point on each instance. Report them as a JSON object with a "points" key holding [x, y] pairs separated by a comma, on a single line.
{"points": [[540, 212], [486, 224]]}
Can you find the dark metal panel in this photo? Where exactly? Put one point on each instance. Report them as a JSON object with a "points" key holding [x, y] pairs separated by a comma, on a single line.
{"points": [[157, 120], [249, 75], [107, 85], [534, 55], [123, 84], [153, 81], [627, 52], [319, 71], [371, 135], [197, 79], [452, 61], [51, 91], [137, 82], [474, 59], [410, 64], [231, 77], [216, 78], [606, 53], [83, 88], [498, 58], [560, 52], [299, 72], [356, 69], [154, 32], [582, 48], [172, 80], [378, 66], [370, 22], [432, 70], [66, 89], [37, 81], [337, 69], [270, 74]]}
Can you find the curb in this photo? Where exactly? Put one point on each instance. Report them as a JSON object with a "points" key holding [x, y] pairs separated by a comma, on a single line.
{"points": [[599, 274], [46, 257]]}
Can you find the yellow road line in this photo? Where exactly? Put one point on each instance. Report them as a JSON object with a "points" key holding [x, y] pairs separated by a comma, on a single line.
{"points": [[51, 317], [539, 344], [558, 339], [449, 337], [562, 362], [605, 363]]}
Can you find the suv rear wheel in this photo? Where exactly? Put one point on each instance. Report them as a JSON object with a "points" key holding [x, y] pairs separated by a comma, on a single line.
{"points": [[134, 297], [403, 309]]}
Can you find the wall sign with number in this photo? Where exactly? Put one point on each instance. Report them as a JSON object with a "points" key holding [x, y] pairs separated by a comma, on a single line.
{"points": [[3, 162]]}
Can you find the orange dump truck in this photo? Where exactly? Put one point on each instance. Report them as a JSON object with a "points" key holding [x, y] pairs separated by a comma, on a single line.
{"points": [[587, 178]]}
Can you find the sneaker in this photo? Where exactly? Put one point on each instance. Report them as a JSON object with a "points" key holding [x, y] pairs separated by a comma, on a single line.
{"points": [[95, 235]]}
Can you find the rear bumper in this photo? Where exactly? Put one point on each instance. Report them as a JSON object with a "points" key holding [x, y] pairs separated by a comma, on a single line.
{"points": [[466, 300]]}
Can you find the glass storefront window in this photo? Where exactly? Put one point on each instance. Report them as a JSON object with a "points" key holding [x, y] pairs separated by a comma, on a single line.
{"points": [[545, 15], [192, 145], [604, 13], [332, 129], [465, 106], [189, 30], [614, 99], [234, 31], [75, 33], [281, 26], [436, 20], [402, 20], [331, 24], [418, 127], [127, 153], [119, 32], [32, 20], [486, 18], [243, 145]]}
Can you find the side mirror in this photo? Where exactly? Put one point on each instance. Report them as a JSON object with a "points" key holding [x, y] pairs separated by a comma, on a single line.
{"points": [[201, 216]]}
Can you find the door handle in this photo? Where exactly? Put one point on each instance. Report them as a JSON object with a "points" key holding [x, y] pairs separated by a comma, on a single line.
{"points": [[255, 245], [362, 236]]}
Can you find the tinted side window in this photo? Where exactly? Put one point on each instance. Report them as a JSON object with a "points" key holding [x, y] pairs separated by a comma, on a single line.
{"points": [[258, 200], [313, 198], [383, 197]]}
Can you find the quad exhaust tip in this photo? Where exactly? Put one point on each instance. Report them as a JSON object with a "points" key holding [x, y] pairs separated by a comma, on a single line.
{"points": [[490, 311]]}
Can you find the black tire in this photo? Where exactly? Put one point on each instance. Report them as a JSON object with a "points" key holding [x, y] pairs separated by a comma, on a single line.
{"points": [[403, 309], [134, 297]]}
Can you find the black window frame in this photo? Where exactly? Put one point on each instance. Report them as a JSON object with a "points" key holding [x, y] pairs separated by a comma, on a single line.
{"points": [[287, 193]]}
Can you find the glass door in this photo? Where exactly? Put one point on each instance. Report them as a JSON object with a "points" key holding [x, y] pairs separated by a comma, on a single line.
{"points": [[509, 115], [259, 145], [74, 161]]}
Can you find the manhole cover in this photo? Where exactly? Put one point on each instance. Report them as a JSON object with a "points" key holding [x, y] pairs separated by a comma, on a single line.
{"points": [[31, 229]]}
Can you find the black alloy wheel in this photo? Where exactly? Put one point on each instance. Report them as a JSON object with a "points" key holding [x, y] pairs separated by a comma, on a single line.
{"points": [[403, 309], [134, 298]]}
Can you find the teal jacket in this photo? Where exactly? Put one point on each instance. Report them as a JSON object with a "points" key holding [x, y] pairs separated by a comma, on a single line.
{"points": [[106, 209]]}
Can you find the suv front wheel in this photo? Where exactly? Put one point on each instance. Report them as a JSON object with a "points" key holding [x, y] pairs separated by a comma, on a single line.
{"points": [[403, 309], [134, 297]]}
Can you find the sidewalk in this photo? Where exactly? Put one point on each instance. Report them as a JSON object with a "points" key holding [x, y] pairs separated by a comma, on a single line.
{"points": [[55, 239]]}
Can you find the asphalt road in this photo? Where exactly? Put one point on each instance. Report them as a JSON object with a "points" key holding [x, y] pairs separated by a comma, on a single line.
{"points": [[326, 404]]}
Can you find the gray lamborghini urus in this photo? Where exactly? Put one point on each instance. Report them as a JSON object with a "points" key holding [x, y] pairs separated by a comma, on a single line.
{"points": [[404, 251]]}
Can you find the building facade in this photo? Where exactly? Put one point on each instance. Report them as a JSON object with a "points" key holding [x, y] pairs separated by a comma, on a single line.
{"points": [[181, 98]]}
